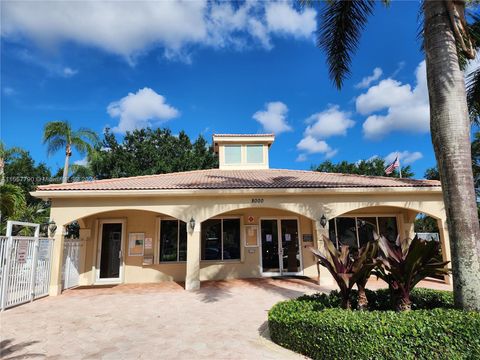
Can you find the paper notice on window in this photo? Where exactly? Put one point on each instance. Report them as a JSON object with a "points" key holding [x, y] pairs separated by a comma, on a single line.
{"points": [[268, 237], [148, 243], [288, 237]]}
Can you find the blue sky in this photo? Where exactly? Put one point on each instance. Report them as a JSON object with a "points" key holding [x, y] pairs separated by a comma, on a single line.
{"points": [[214, 68]]}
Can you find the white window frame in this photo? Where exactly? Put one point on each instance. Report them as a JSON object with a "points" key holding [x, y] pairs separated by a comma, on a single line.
{"points": [[262, 161], [98, 244], [221, 218], [279, 231], [225, 154]]}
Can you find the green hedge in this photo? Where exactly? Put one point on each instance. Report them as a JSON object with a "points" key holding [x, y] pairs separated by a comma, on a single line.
{"points": [[316, 327]]}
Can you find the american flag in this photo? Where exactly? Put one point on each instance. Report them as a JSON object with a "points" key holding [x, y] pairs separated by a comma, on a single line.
{"points": [[395, 164]]}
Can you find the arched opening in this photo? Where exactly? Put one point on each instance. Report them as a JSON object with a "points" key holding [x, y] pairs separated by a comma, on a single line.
{"points": [[255, 242], [130, 245], [356, 227]]}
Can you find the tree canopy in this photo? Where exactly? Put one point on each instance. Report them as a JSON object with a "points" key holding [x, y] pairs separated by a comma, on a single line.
{"points": [[372, 167], [149, 151]]}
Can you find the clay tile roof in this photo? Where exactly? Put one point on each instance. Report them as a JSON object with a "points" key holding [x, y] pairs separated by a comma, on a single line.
{"points": [[242, 179]]}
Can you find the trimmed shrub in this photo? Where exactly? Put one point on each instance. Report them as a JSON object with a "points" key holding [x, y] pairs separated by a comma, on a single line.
{"points": [[315, 326]]}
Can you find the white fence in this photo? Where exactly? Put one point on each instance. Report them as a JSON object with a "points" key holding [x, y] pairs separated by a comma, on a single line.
{"points": [[24, 269], [71, 262]]}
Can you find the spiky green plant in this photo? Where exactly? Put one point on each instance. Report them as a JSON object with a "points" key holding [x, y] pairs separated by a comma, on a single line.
{"points": [[348, 267], [405, 263]]}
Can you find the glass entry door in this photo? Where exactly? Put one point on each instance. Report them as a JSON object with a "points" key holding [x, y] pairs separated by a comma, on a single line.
{"points": [[110, 246], [280, 247]]}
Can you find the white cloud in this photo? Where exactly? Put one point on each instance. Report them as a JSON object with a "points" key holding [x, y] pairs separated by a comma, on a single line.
{"points": [[407, 109], [8, 91], [366, 81], [301, 158], [52, 68], [141, 109], [69, 72], [321, 125], [328, 123], [82, 162], [406, 157], [129, 28], [313, 146], [274, 118], [282, 18]]}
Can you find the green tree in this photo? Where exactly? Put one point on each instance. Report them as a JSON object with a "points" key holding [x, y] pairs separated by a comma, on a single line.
{"points": [[446, 41], [373, 167], [59, 135], [432, 174], [21, 170], [149, 151]]}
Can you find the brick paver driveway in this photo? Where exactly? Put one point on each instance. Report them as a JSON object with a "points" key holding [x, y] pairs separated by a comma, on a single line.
{"points": [[223, 320]]}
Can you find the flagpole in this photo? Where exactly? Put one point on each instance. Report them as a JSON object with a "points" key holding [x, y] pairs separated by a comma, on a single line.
{"points": [[399, 165]]}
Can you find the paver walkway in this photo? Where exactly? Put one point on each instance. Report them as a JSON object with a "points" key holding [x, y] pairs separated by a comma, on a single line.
{"points": [[223, 320]]}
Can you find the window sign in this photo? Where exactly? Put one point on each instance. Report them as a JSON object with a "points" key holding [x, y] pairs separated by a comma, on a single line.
{"points": [[148, 244], [268, 237], [288, 237], [135, 244]]}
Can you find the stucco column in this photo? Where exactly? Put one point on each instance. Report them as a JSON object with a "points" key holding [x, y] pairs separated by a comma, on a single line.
{"points": [[192, 278], [56, 263], [325, 277], [445, 244], [409, 225]]}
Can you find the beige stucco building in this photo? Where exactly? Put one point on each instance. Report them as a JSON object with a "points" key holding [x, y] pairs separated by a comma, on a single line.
{"points": [[242, 220]]}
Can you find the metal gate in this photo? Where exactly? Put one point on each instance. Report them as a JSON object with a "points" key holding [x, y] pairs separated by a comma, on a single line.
{"points": [[71, 263], [24, 269]]}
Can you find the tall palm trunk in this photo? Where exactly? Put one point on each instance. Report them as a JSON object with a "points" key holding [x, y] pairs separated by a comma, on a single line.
{"points": [[68, 153], [450, 129]]}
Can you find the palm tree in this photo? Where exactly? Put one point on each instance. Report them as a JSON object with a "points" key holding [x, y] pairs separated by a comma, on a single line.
{"points": [[4, 154], [447, 43], [59, 135]]}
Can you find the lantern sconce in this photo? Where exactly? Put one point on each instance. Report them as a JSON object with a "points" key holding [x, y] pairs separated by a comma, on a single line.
{"points": [[52, 226], [192, 224], [323, 221]]}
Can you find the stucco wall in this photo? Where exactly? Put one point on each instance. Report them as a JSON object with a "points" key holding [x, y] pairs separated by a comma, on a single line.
{"points": [[147, 222], [141, 214]]}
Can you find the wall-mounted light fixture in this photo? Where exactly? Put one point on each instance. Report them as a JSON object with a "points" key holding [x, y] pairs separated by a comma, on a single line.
{"points": [[192, 223], [323, 220], [52, 226]]}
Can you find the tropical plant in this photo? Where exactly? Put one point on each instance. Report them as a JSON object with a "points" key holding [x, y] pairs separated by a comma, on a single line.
{"points": [[348, 268], [13, 199], [59, 135], [448, 42], [405, 263], [372, 167]]}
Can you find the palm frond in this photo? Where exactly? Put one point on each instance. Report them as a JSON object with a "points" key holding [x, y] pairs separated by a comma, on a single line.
{"points": [[88, 134], [13, 199], [54, 144], [56, 129], [339, 34], [473, 96]]}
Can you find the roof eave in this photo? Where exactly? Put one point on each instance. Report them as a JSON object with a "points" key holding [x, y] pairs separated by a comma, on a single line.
{"points": [[51, 194]]}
